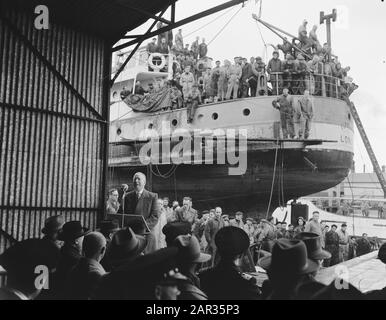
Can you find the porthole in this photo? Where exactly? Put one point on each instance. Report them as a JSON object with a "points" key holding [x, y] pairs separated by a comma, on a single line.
{"points": [[174, 122], [200, 116], [151, 126], [215, 116], [119, 132], [246, 112], [115, 95]]}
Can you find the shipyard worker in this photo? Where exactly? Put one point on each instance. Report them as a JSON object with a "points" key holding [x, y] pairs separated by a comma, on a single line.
{"points": [[313, 225], [288, 70], [222, 84], [139, 89], [303, 34], [199, 229], [187, 81], [226, 281], [239, 220], [215, 77], [211, 229], [179, 41], [344, 243], [363, 245], [332, 246], [195, 48], [365, 207], [249, 229], [152, 46], [287, 268], [307, 111], [203, 49], [21, 262], [170, 214], [267, 235], [234, 76], [163, 47], [72, 235], [274, 69], [186, 213], [112, 205], [188, 259], [85, 277], [284, 104], [144, 203], [52, 227]]}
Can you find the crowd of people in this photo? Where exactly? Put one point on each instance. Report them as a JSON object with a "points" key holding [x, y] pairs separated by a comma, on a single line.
{"points": [[308, 69], [176, 253]]}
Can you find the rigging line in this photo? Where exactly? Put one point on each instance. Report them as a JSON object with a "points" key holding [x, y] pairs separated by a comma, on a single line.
{"points": [[273, 180], [210, 22], [222, 29]]}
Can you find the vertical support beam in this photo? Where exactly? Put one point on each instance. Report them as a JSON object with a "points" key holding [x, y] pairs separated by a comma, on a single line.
{"points": [[173, 13], [328, 18], [105, 134]]}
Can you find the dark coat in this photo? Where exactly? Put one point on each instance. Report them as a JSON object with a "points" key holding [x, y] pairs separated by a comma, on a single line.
{"points": [[147, 206], [224, 282], [83, 279], [211, 228], [69, 258]]}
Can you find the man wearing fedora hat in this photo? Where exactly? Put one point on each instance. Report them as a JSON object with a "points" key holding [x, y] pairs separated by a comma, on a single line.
{"points": [[316, 253], [52, 227], [72, 235], [144, 203], [86, 275], [124, 247], [108, 228], [188, 258], [286, 267], [226, 281]]}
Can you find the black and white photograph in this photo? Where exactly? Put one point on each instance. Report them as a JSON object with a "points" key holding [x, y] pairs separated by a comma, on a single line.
{"points": [[210, 152]]}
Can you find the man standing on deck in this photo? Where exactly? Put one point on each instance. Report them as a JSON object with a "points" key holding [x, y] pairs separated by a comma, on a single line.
{"points": [[234, 76], [187, 81], [307, 110], [284, 104], [344, 243], [274, 69]]}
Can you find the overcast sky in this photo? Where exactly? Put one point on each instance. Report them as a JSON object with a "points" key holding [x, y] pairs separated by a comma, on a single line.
{"points": [[357, 39]]}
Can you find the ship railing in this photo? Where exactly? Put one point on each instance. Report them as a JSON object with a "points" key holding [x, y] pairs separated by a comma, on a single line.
{"points": [[317, 84]]}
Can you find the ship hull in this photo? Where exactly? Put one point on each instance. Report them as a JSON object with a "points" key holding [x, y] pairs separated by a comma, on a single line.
{"points": [[211, 185]]}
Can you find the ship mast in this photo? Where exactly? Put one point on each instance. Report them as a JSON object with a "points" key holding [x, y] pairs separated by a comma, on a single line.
{"points": [[328, 18]]}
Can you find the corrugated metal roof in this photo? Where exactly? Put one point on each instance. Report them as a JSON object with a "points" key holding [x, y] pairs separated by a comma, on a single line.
{"points": [[110, 19]]}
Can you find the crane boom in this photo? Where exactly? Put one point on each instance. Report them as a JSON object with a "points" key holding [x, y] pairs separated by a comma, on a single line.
{"points": [[367, 144]]}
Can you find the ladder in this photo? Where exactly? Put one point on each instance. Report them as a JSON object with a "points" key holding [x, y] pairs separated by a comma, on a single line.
{"points": [[367, 144]]}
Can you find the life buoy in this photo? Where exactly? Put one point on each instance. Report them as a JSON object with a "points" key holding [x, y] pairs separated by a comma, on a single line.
{"points": [[156, 57]]}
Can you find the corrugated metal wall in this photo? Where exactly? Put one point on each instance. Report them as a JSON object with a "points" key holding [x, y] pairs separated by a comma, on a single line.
{"points": [[52, 139]]}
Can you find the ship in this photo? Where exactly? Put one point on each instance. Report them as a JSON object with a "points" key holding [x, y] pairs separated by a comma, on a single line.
{"points": [[277, 169]]}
